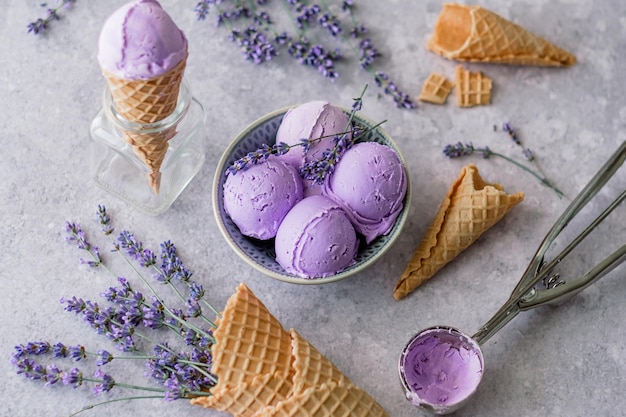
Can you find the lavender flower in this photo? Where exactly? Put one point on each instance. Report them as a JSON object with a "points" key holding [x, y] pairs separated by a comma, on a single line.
{"points": [[367, 53], [509, 129], [73, 377], [76, 235], [254, 45], [105, 384], [330, 23], [315, 56], [153, 315], [173, 389], [525, 151], [41, 24], [77, 352], [459, 149], [105, 220], [401, 99], [52, 375], [104, 357], [307, 14]]}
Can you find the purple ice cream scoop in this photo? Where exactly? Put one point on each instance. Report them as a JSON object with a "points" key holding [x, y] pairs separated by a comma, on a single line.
{"points": [[370, 183], [312, 120], [140, 41], [258, 198], [316, 239]]}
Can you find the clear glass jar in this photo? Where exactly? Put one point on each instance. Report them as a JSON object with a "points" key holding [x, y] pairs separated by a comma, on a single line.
{"points": [[118, 168]]}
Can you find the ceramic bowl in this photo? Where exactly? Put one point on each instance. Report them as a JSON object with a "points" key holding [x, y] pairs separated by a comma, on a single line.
{"points": [[260, 254]]}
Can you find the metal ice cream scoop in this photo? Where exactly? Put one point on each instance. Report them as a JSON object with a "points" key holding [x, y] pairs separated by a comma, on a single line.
{"points": [[441, 367]]}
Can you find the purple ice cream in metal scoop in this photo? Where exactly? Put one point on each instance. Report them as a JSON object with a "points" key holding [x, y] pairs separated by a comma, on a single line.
{"points": [[316, 239], [258, 198], [440, 368], [370, 183]]}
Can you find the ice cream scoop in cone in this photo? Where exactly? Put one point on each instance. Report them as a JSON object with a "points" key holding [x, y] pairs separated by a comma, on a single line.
{"points": [[472, 33], [469, 209]]}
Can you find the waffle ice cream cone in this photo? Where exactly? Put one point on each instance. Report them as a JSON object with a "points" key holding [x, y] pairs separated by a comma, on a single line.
{"points": [[469, 209], [472, 33], [246, 399], [472, 88], [436, 89], [311, 367], [145, 102], [326, 400], [249, 342], [263, 370]]}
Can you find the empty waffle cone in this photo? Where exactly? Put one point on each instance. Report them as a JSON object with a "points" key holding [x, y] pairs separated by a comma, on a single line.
{"points": [[470, 208], [326, 400], [249, 342], [472, 33], [145, 102], [247, 398]]}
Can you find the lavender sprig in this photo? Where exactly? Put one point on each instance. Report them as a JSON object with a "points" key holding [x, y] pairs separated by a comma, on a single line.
{"points": [[460, 150], [41, 24], [103, 382], [528, 154]]}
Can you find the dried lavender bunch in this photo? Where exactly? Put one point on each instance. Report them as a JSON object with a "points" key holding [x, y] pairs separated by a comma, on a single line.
{"points": [[317, 170], [459, 150], [41, 24], [309, 23], [179, 367]]}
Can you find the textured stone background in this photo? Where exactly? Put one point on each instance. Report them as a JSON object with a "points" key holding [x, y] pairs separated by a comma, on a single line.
{"points": [[552, 361]]}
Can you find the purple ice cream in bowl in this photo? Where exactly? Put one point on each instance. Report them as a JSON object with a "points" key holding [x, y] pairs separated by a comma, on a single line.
{"points": [[320, 242]]}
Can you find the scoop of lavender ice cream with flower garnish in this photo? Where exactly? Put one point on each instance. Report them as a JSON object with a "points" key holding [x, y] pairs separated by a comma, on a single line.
{"points": [[318, 120], [370, 183]]}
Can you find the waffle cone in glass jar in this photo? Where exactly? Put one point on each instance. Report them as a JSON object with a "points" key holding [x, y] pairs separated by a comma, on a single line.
{"points": [[146, 102]]}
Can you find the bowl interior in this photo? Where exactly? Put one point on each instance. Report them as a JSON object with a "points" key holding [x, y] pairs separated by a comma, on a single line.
{"points": [[260, 254]]}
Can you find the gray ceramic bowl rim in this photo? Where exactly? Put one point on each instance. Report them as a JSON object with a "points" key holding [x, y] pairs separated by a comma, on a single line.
{"points": [[392, 236]]}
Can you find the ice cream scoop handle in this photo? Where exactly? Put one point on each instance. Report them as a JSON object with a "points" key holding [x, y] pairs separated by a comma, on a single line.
{"points": [[525, 296], [504, 315]]}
